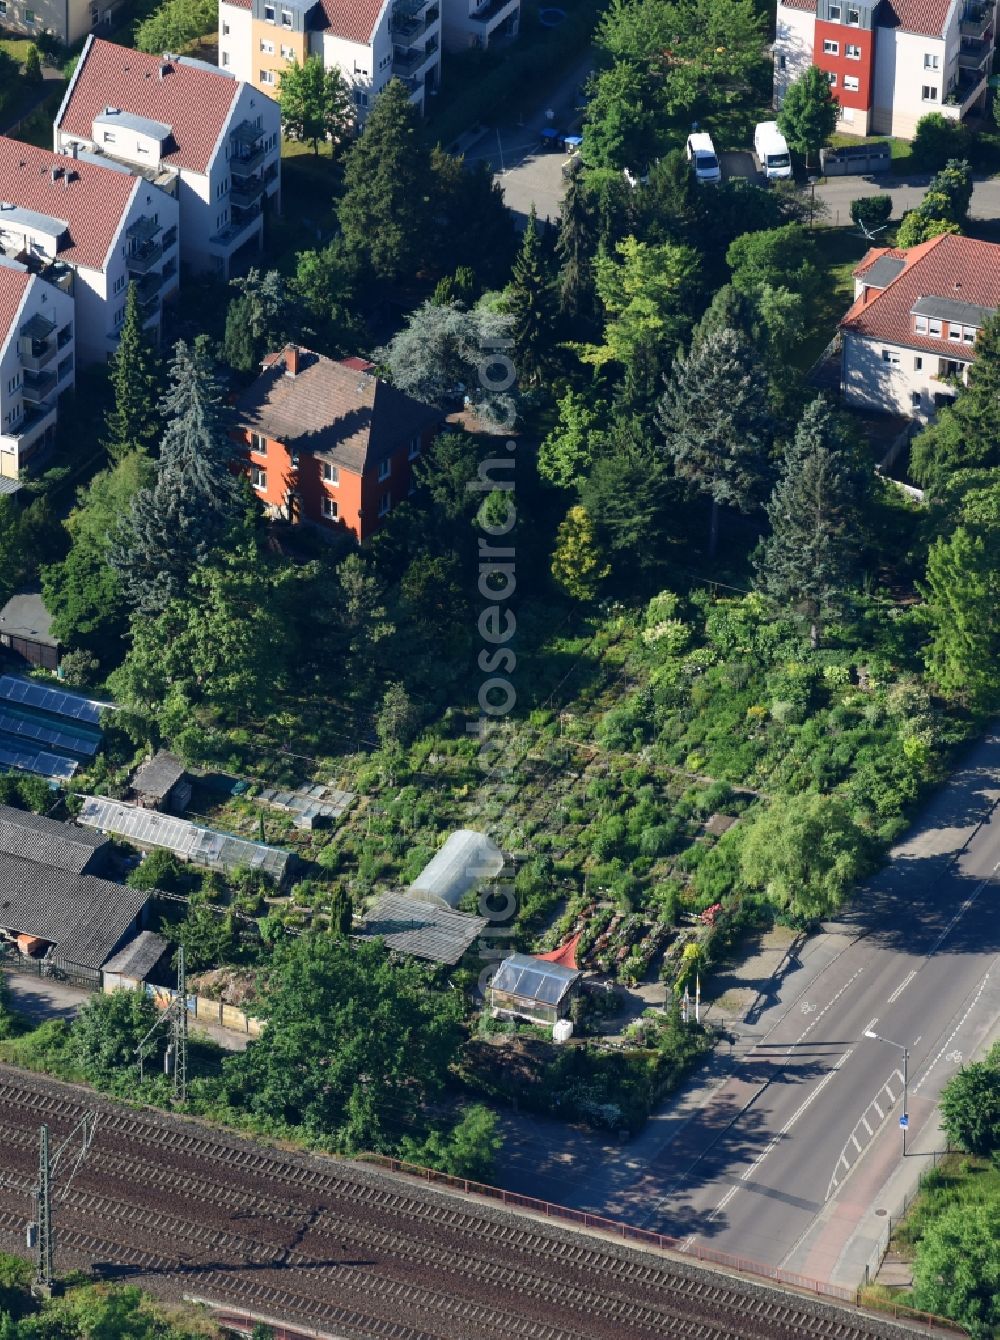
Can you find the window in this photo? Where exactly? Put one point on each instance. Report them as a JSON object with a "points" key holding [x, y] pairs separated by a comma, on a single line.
{"points": [[258, 443], [267, 76], [851, 84], [931, 62], [384, 504], [915, 399], [969, 334], [29, 16], [330, 509], [268, 13], [13, 384], [109, 137], [331, 474], [954, 332], [929, 93], [834, 13], [781, 61], [225, 29], [891, 356], [918, 364], [287, 52], [920, 325], [414, 451], [119, 284], [119, 316], [934, 328], [831, 48], [225, 59], [854, 17], [267, 47], [3, 6], [385, 468], [286, 18], [831, 79], [258, 477], [852, 51]]}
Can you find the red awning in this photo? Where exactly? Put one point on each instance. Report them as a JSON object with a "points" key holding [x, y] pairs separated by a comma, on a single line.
{"points": [[565, 955]]}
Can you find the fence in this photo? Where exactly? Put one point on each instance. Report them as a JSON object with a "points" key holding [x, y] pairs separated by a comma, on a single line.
{"points": [[646, 1238], [75, 974], [237, 1319], [207, 1011], [874, 1263]]}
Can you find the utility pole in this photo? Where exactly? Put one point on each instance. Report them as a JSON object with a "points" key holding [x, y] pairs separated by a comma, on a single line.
{"points": [[904, 1119], [180, 1032], [40, 1233]]}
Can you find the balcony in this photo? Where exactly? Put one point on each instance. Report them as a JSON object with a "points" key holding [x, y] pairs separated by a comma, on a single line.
{"points": [[170, 238], [245, 194], [405, 60], [37, 355], [493, 11], [33, 423], [976, 21], [142, 259], [143, 230], [236, 233], [37, 386], [407, 27], [246, 164], [974, 55]]}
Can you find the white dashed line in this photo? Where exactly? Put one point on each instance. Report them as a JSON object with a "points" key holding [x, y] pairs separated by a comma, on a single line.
{"points": [[881, 1114], [806, 1031], [902, 987], [972, 1005]]}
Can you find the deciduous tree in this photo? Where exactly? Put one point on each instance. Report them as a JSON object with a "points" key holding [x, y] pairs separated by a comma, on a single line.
{"points": [[578, 564], [957, 1270], [647, 293], [809, 112], [804, 852], [962, 595], [316, 103], [970, 1105]]}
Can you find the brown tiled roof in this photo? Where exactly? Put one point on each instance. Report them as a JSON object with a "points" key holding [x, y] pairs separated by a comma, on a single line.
{"points": [[91, 202], [194, 103], [915, 16], [808, 6], [353, 20], [352, 417], [239, 4], [13, 286], [946, 267]]}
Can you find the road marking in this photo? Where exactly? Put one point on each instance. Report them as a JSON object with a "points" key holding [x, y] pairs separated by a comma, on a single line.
{"points": [[972, 1006], [964, 908], [902, 987], [776, 1139], [823, 1011], [835, 1180], [881, 1114], [864, 1123], [854, 1138], [869, 1025], [892, 1096]]}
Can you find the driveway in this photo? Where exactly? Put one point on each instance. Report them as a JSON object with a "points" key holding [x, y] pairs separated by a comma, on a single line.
{"points": [[836, 194]]}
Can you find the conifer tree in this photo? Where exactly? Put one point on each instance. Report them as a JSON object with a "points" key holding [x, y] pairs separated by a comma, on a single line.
{"points": [[576, 247], [133, 421], [195, 498], [805, 564], [384, 210], [715, 423], [531, 303]]}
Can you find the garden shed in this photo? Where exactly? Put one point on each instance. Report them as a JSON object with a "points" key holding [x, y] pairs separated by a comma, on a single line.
{"points": [[26, 630], [133, 965], [421, 928], [467, 860], [161, 784], [532, 988]]}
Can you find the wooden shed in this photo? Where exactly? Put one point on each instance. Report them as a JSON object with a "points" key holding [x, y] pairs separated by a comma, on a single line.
{"points": [[26, 630], [161, 784]]}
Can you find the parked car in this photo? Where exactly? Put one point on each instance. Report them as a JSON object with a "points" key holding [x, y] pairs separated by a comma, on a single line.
{"points": [[772, 151], [702, 157]]}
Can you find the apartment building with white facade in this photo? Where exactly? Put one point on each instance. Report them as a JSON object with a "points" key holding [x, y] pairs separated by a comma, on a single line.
{"points": [[37, 364], [92, 228], [478, 23], [910, 335], [370, 41], [66, 20], [211, 140], [890, 62]]}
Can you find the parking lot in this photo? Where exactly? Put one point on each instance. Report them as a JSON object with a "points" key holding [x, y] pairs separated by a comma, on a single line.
{"points": [[739, 163]]}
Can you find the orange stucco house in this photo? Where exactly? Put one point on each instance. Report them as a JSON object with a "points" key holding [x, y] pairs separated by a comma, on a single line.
{"points": [[330, 443]]}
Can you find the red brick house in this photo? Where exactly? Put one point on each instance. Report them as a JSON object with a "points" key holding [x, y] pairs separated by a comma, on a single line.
{"points": [[330, 443]]}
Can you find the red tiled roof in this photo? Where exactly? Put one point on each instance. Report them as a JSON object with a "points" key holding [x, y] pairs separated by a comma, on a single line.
{"points": [[194, 103], [915, 16], [239, 4], [874, 254], [13, 286], [352, 417], [947, 267], [353, 20], [809, 6], [92, 203]]}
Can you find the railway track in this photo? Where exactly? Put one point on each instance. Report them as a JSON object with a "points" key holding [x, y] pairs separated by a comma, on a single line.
{"points": [[180, 1207]]}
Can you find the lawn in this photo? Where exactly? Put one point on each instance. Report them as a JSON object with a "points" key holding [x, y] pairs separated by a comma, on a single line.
{"points": [[17, 47], [839, 250]]}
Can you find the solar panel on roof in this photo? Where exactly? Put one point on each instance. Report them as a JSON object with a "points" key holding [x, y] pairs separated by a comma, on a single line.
{"points": [[30, 728], [55, 701], [37, 761]]}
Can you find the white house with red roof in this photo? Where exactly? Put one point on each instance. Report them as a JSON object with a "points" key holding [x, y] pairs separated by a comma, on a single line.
{"points": [[210, 139], [91, 228], [370, 41], [37, 348], [889, 62], [911, 332]]}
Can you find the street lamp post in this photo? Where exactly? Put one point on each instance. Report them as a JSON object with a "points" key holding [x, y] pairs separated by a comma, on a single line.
{"points": [[905, 1118], [812, 199]]}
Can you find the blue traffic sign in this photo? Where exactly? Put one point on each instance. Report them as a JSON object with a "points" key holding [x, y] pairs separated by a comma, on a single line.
{"points": [[904, 1121]]}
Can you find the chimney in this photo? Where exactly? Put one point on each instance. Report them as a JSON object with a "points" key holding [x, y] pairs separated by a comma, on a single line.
{"points": [[55, 173], [292, 357], [164, 71], [74, 148]]}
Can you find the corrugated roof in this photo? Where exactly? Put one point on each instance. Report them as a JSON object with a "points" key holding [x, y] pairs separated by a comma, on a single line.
{"points": [[139, 957], [467, 860], [49, 842], [194, 102], [90, 198], [533, 979], [949, 267], [84, 917], [350, 417], [423, 929]]}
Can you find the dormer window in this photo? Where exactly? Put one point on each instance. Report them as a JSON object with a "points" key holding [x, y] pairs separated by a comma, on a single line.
{"points": [[969, 334], [954, 331], [934, 328], [920, 325]]}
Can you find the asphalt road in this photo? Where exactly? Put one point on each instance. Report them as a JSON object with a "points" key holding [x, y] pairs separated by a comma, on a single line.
{"points": [[787, 1162]]}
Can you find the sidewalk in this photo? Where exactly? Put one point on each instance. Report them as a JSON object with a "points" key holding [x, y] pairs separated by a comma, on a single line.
{"points": [[41, 998]]}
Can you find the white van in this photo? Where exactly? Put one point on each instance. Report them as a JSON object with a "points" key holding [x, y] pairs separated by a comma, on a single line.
{"points": [[772, 151], [702, 157]]}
